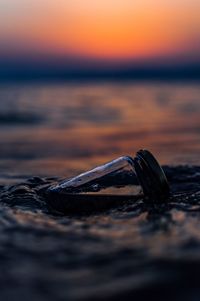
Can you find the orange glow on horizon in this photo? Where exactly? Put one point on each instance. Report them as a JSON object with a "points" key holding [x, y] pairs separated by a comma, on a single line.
{"points": [[106, 30]]}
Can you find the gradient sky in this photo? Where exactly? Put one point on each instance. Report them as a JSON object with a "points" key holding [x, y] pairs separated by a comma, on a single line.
{"points": [[109, 31]]}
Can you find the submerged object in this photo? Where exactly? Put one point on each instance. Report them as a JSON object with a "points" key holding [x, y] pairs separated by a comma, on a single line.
{"points": [[107, 184]]}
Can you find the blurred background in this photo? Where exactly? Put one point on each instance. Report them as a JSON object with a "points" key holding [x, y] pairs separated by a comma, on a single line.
{"points": [[82, 82]]}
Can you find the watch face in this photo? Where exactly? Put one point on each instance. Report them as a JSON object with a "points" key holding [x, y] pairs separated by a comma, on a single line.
{"points": [[157, 181]]}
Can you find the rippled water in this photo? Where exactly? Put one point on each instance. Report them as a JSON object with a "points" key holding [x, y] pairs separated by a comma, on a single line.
{"points": [[62, 129]]}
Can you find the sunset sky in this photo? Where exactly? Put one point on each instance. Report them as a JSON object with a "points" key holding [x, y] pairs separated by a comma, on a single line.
{"points": [[99, 32]]}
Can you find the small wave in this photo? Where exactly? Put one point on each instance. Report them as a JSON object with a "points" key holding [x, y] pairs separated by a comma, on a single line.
{"points": [[14, 118]]}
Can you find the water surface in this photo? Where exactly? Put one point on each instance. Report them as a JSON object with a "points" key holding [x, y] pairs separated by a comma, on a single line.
{"points": [[61, 129]]}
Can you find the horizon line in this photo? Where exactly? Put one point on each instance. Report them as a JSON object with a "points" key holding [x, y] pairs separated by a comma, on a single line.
{"points": [[189, 72]]}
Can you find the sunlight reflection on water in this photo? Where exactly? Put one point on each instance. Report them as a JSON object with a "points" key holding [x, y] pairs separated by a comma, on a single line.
{"points": [[62, 129]]}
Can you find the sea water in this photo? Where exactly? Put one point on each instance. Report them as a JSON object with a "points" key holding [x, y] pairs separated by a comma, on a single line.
{"points": [[62, 129]]}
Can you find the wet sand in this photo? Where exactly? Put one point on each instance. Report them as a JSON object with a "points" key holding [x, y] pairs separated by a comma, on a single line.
{"points": [[135, 250]]}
